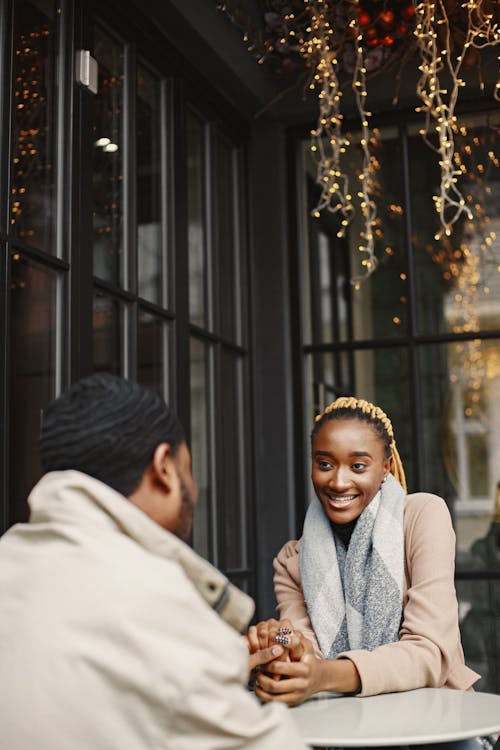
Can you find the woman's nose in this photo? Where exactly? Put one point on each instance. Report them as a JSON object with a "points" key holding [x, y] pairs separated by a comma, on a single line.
{"points": [[339, 478]]}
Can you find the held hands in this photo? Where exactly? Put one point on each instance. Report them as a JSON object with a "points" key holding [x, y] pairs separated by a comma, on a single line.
{"points": [[291, 677]]}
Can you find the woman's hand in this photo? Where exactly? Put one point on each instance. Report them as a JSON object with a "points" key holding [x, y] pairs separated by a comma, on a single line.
{"points": [[262, 644], [262, 635], [303, 673]]}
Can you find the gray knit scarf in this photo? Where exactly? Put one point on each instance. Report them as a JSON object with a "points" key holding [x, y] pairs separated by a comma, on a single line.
{"points": [[354, 597]]}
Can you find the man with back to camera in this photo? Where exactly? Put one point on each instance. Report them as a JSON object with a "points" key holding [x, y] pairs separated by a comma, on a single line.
{"points": [[113, 632]]}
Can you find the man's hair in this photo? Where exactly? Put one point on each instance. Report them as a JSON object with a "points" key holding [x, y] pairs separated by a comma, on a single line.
{"points": [[108, 428]]}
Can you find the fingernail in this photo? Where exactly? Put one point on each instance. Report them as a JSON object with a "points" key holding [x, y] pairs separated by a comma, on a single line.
{"points": [[285, 631], [282, 639], [276, 650]]}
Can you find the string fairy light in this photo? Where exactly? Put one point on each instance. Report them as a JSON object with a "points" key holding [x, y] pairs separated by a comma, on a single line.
{"points": [[434, 43], [322, 48], [325, 34]]}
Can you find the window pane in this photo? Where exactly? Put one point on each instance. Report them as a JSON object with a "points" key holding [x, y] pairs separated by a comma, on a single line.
{"points": [[32, 372], [380, 376], [461, 389], [458, 278], [479, 612], [233, 488], [226, 203], [330, 313], [379, 307], [196, 219], [107, 338], [150, 359], [149, 242], [200, 445], [34, 124], [107, 180]]}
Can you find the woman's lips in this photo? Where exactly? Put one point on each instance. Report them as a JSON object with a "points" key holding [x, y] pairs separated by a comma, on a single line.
{"points": [[340, 501]]}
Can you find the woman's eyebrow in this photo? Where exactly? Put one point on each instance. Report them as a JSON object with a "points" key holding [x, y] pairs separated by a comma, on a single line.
{"points": [[353, 453]]}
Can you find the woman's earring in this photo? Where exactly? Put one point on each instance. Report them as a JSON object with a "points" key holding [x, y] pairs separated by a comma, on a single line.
{"points": [[384, 479]]}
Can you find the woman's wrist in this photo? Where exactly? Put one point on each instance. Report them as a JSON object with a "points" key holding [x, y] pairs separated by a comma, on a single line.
{"points": [[338, 676]]}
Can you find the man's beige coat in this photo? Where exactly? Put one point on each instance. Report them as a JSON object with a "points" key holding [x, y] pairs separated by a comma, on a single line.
{"points": [[110, 638]]}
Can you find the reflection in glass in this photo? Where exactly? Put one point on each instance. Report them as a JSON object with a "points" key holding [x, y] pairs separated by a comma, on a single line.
{"points": [[379, 375], [461, 422], [379, 308], [458, 278], [329, 288], [479, 610], [196, 219], [461, 390], [226, 206], [232, 485], [107, 322], [107, 181], [200, 445], [32, 374], [32, 208], [150, 329], [149, 244]]}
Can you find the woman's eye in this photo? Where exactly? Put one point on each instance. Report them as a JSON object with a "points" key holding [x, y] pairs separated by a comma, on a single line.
{"points": [[324, 465], [358, 466]]}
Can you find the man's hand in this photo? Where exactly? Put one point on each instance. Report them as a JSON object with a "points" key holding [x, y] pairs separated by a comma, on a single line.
{"points": [[267, 641], [264, 656]]}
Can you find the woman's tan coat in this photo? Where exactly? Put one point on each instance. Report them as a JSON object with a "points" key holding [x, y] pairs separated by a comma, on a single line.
{"points": [[429, 651]]}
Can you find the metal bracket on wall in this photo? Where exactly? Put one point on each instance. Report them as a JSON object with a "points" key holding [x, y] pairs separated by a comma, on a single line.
{"points": [[86, 70]]}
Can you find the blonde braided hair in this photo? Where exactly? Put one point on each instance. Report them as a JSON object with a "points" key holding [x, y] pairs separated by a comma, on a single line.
{"points": [[374, 415]]}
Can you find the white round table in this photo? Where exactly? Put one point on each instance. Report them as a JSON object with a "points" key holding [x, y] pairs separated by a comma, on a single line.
{"points": [[414, 717]]}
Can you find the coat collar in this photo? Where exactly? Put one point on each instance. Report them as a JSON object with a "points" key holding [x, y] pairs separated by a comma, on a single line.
{"points": [[76, 497]]}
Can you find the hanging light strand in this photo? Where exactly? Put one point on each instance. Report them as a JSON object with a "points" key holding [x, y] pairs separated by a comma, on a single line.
{"points": [[328, 143], [433, 37], [369, 165]]}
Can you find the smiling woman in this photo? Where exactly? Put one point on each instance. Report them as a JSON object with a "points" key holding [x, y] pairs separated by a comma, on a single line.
{"points": [[366, 597]]}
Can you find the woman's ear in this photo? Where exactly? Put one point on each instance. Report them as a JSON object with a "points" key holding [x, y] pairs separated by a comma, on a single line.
{"points": [[388, 465]]}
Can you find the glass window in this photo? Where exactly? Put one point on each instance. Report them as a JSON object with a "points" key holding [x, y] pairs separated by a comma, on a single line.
{"points": [[149, 209], [196, 220], [330, 292], [201, 445], [376, 307], [32, 361], [107, 182], [107, 324], [461, 424], [458, 277], [151, 331], [226, 207], [479, 612], [32, 208], [233, 487]]}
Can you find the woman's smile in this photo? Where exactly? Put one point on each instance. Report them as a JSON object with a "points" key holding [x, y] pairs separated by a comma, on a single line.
{"points": [[340, 500]]}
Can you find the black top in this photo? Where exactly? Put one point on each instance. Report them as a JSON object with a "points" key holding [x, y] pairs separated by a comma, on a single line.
{"points": [[343, 531]]}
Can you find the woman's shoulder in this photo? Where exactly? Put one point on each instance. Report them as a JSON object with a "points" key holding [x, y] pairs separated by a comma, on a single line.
{"points": [[425, 508], [289, 550], [286, 564]]}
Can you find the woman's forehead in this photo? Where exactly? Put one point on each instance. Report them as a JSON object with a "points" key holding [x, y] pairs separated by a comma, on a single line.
{"points": [[354, 429]]}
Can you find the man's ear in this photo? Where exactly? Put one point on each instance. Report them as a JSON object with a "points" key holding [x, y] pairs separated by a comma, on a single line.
{"points": [[163, 467]]}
